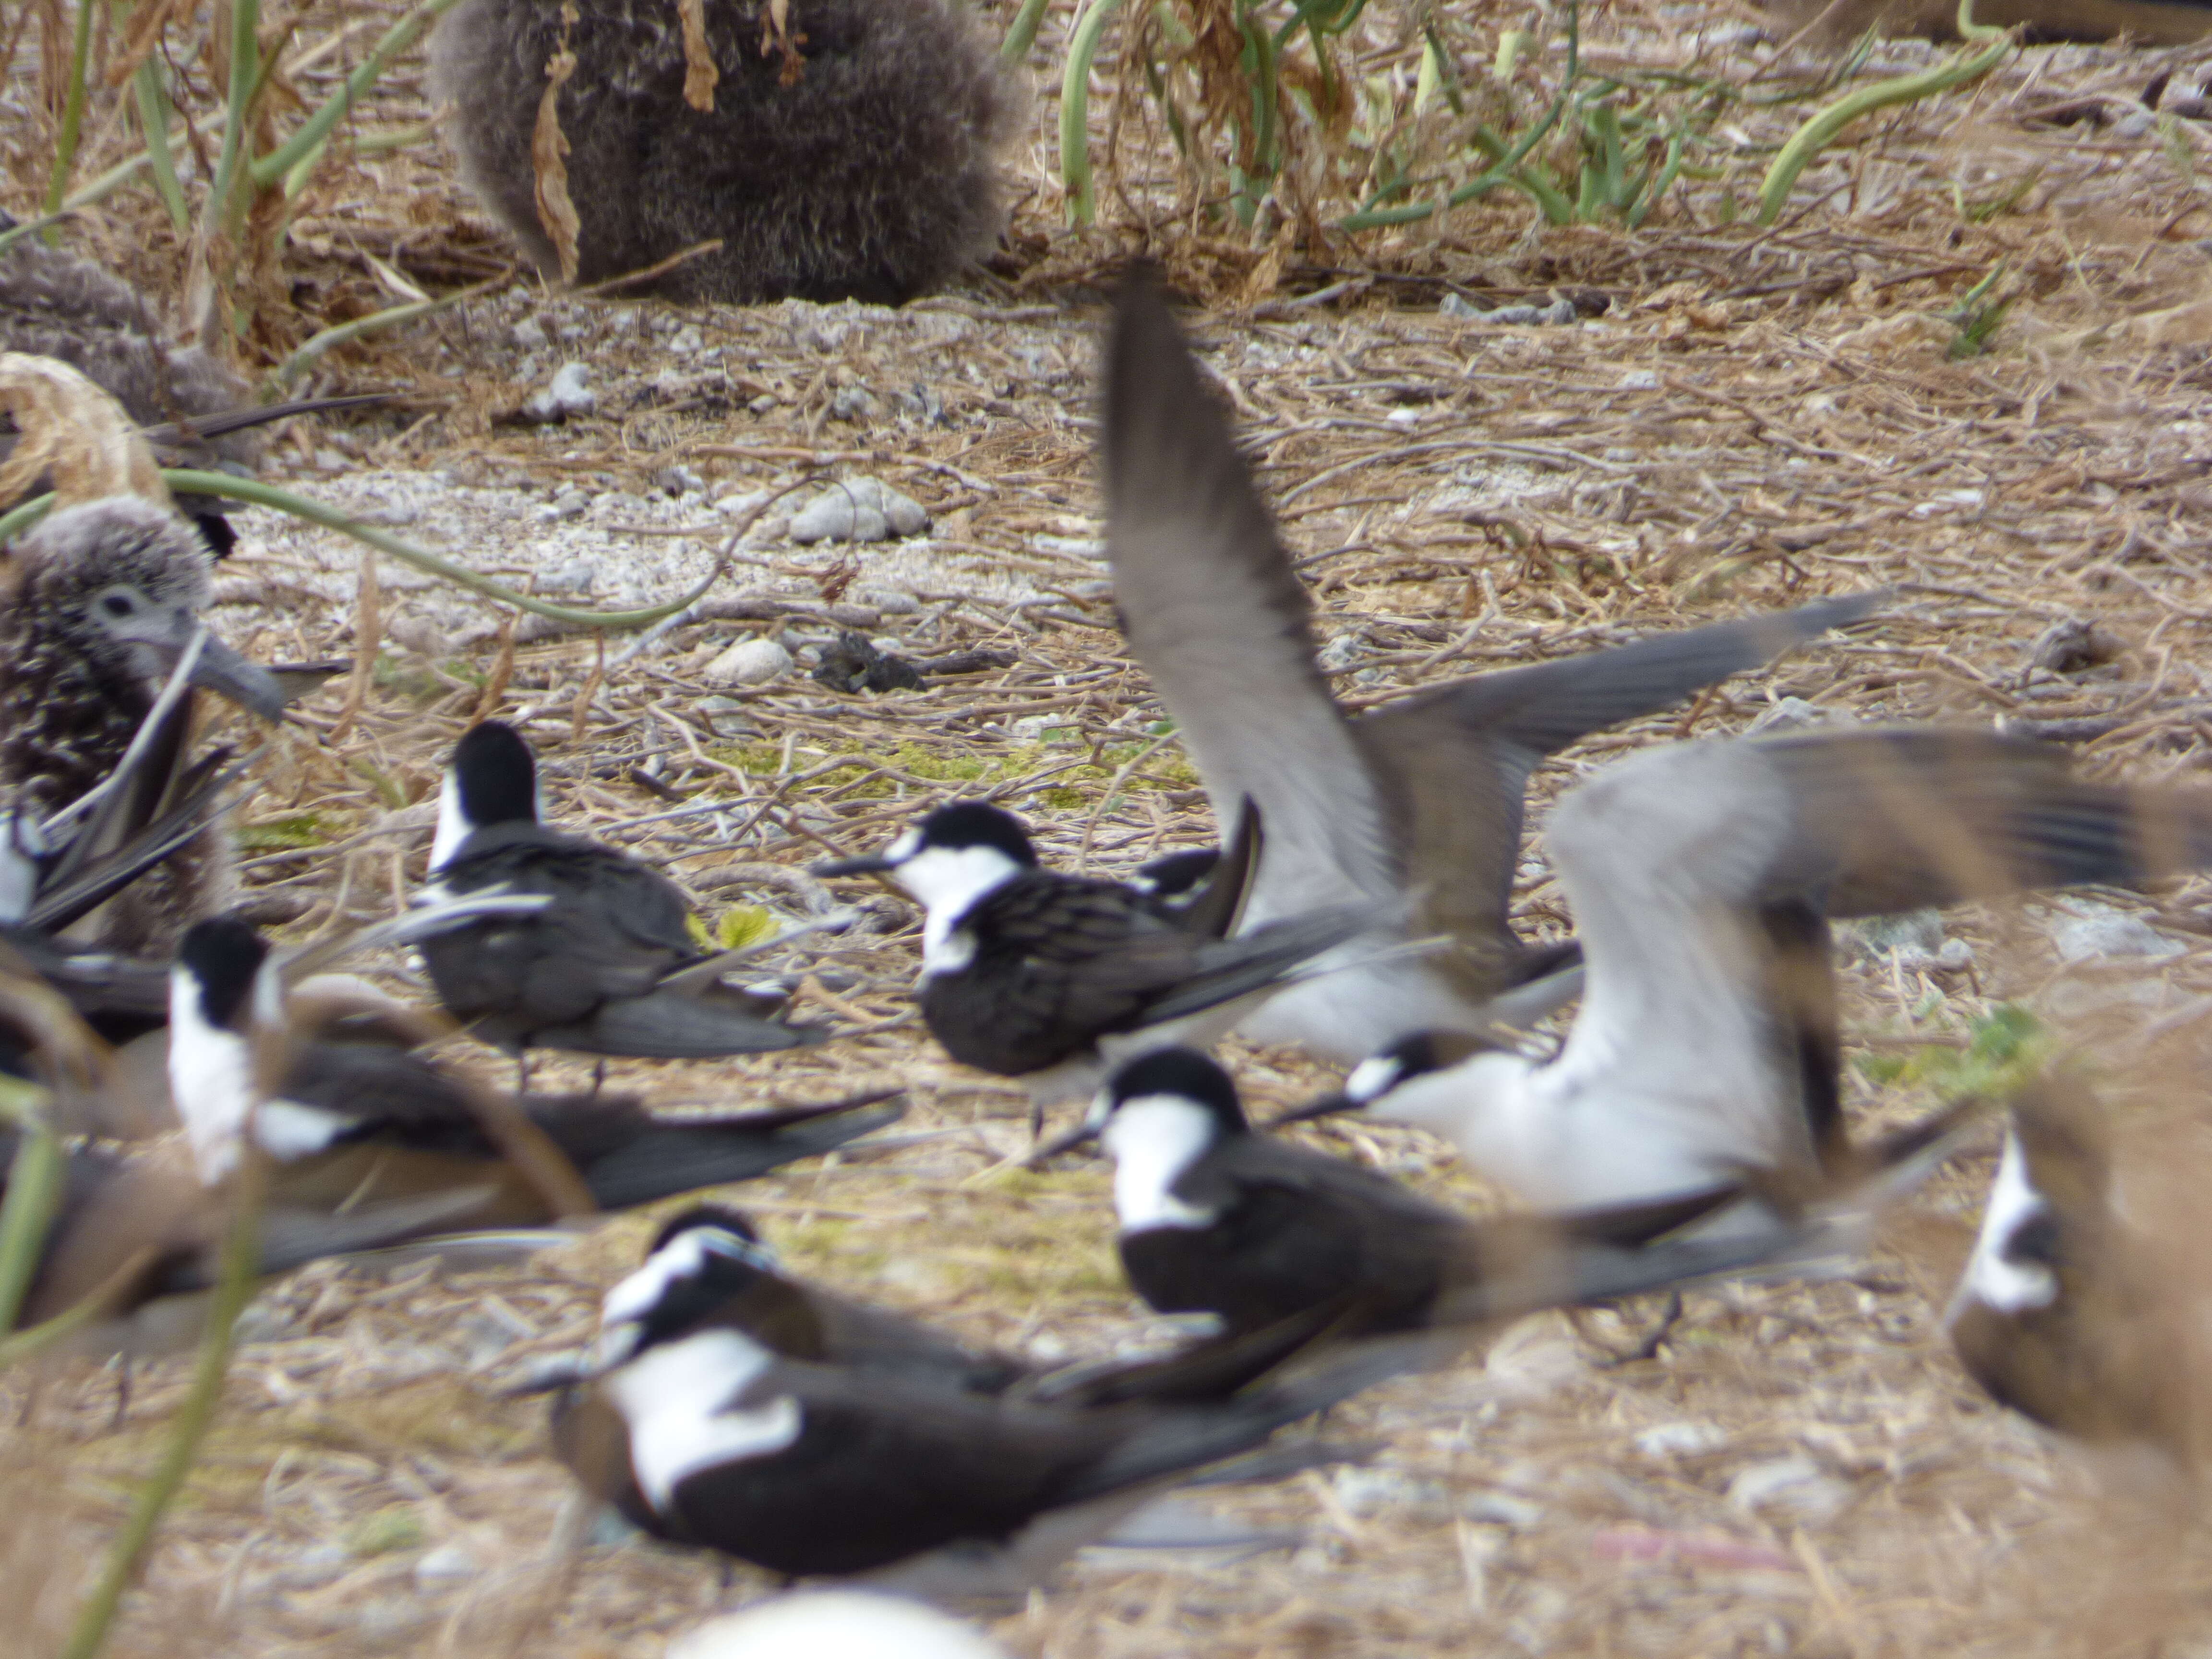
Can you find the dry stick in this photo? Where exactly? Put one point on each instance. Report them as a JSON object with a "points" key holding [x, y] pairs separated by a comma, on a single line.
{"points": [[367, 635], [697, 250], [502, 671], [591, 689]]}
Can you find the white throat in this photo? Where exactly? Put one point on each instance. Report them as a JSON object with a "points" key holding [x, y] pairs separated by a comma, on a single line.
{"points": [[2009, 1287], [210, 1078], [679, 1400], [454, 825], [949, 881], [1154, 1140], [683, 1256]]}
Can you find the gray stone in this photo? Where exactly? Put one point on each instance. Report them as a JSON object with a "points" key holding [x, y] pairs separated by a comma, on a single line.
{"points": [[2091, 930], [859, 510], [1795, 1483], [445, 1566], [1679, 1439], [853, 403], [568, 393], [749, 662], [687, 340], [1501, 1508]]}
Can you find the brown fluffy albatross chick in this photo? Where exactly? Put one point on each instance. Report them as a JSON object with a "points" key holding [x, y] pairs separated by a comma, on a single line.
{"points": [[863, 168]]}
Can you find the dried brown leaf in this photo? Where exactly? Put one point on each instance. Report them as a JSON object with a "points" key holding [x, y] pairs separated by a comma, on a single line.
{"points": [[549, 147], [699, 75], [73, 430]]}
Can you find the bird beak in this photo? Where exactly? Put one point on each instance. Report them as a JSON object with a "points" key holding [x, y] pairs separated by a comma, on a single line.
{"points": [[251, 687], [874, 864], [1067, 1141], [1327, 1106]]}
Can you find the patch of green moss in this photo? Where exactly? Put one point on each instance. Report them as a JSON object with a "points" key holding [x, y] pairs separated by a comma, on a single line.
{"points": [[287, 830], [395, 1527]]}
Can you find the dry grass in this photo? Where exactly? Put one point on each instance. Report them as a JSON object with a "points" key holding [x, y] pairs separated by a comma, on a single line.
{"points": [[1754, 420]]}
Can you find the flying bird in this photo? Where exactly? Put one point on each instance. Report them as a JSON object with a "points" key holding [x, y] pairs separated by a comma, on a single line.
{"points": [[1703, 876], [1413, 807]]}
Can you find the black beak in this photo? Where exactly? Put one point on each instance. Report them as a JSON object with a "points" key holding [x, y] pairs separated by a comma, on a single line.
{"points": [[251, 687], [1067, 1141], [874, 864], [1327, 1106]]}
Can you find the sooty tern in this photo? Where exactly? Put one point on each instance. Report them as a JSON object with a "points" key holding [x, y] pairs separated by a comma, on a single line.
{"points": [[1215, 1219], [835, 1624], [1415, 805], [609, 967], [857, 160], [2070, 1311], [1702, 877], [1036, 975], [98, 604], [710, 1260], [359, 1113], [697, 1424]]}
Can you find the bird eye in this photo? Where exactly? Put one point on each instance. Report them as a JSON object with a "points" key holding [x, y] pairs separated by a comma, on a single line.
{"points": [[116, 604]]}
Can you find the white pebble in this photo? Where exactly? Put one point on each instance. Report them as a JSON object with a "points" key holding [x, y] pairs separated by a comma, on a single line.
{"points": [[749, 662]]}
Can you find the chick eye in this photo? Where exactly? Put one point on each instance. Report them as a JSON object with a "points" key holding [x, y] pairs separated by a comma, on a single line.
{"points": [[115, 604]]}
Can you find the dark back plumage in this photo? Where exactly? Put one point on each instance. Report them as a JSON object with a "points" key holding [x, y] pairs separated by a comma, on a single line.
{"points": [[866, 169]]}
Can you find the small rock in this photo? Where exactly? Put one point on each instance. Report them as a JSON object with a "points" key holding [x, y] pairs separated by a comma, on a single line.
{"points": [[2071, 645], [1910, 933], [576, 576], [1554, 313], [1639, 380], [677, 481], [528, 336], [853, 403], [1340, 652], [1791, 712], [687, 340], [1796, 1484], [854, 663], [1501, 1508], [1681, 1439], [1052, 729], [749, 662], [567, 394], [727, 716], [442, 1566], [859, 510], [891, 601], [2094, 930], [1371, 1492]]}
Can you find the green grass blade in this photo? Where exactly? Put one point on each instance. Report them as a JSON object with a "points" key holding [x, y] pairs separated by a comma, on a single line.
{"points": [[285, 372], [154, 118], [266, 170], [1075, 111], [1023, 32], [34, 1185], [72, 111], [1818, 132]]}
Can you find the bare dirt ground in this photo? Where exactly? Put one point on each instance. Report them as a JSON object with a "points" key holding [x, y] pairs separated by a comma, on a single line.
{"points": [[1752, 419]]}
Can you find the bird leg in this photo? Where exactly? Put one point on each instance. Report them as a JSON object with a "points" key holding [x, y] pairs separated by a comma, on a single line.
{"points": [[598, 1077]]}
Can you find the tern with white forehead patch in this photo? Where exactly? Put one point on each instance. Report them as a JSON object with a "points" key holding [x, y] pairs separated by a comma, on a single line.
{"points": [[729, 1407], [1215, 1219], [1050, 978], [360, 1114]]}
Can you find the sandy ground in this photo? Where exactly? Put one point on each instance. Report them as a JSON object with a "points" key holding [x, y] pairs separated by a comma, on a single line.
{"points": [[1752, 419]]}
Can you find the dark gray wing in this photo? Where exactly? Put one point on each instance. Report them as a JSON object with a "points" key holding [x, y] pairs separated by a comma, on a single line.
{"points": [[1454, 762], [1219, 619]]}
